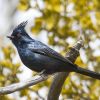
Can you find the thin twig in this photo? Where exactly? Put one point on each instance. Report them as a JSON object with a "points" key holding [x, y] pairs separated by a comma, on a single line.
{"points": [[18, 86]]}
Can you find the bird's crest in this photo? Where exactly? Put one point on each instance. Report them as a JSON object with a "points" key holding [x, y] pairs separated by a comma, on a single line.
{"points": [[22, 25]]}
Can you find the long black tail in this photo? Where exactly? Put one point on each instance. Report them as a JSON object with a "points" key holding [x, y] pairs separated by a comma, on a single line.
{"points": [[87, 72]]}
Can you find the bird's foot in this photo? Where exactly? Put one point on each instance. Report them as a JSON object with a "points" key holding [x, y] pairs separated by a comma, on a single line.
{"points": [[43, 72]]}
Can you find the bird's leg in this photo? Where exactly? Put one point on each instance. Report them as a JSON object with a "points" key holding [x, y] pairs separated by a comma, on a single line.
{"points": [[42, 72]]}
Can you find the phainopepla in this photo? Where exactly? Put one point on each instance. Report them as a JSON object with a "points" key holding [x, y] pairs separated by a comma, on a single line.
{"points": [[39, 57]]}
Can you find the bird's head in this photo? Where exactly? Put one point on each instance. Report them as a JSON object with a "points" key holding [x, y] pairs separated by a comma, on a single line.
{"points": [[19, 34]]}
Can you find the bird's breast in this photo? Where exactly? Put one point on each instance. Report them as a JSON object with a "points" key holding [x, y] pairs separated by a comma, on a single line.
{"points": [[31, 60], [27, 56]]}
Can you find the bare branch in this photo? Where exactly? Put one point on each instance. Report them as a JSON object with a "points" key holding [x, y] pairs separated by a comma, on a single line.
{"points": [[18, 86], [60, 78]]}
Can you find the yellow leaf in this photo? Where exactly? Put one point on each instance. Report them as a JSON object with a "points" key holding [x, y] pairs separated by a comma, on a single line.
{"points": [[38, 25], [79, 62], [49, 22], [6, 63], [23, 5], [53, 5]]}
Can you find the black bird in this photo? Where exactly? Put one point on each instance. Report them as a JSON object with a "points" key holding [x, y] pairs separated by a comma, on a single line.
{"points": [[39, 57]]}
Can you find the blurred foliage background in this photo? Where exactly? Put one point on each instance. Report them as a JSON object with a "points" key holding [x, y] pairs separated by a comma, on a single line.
{"points": [[61, 21]]}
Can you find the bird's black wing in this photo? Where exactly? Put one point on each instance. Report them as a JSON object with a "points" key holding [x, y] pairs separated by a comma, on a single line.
{"points": [[43, 49]]}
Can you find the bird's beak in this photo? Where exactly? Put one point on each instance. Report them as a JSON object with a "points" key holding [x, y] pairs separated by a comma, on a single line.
{"points": [[10, 37]]}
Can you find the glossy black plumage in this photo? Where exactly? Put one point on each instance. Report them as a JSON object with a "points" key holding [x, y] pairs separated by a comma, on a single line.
{"points": [[38, 56]]}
